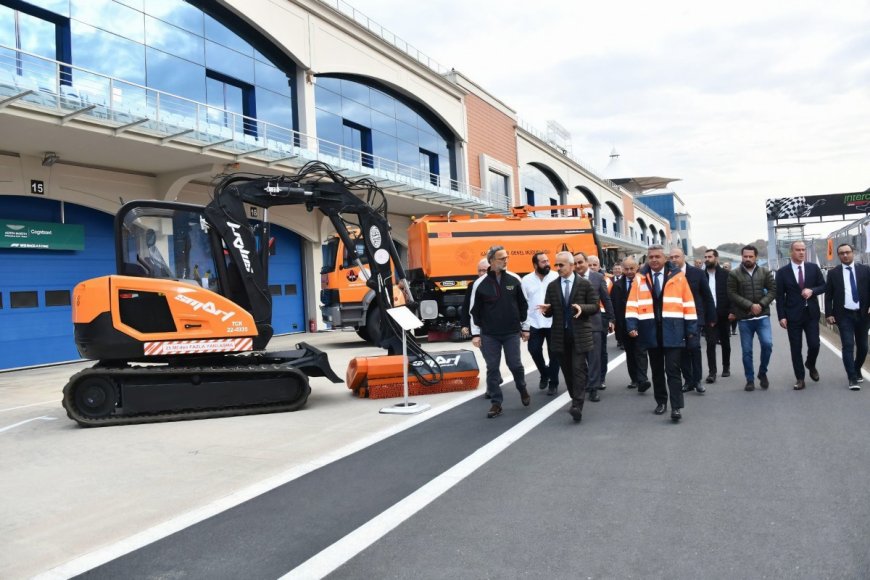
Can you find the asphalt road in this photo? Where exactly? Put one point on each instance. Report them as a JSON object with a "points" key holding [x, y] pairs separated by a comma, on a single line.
{"points": [[768, 484]]}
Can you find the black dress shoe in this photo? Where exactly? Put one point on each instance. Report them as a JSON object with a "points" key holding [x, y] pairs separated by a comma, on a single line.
{"points": [[687, 388], [700, 389], [525, 398], [799, 385], [576, 413], [726, 372], [594, 396], [644, 387], [543, 384], [551, 392], [632, 385], [676, 415], [750, 386], [711, 378], [660, 409], [814, 374], [602, 387]]}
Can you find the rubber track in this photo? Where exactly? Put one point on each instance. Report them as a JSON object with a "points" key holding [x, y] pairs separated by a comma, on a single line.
{"points": [[118, 374]]}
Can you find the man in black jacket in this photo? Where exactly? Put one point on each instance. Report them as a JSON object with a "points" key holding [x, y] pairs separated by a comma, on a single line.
{"points": [[571, 300], [847, 304], [498, 321], [719, 333], [691, 358], [635, 357]]}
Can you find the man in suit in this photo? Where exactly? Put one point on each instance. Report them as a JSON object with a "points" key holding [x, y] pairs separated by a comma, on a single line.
{"points": [[600, 324], [717, 280], [847, 304], [798, 284], [570, 301], [635, 356], [691, 357], [606, 314]]}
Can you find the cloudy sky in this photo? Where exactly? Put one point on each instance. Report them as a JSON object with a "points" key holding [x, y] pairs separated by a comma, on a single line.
{"points": [[741, 100]]}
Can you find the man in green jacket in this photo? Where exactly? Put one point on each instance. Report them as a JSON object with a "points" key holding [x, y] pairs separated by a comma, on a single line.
{"points": [[751, 289]]}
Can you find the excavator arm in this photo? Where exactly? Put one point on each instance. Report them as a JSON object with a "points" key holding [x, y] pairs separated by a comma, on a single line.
{"points": [[316, 186]]}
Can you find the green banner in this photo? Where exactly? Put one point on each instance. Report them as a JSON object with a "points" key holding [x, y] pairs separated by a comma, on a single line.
{"points": [[41, 235]]}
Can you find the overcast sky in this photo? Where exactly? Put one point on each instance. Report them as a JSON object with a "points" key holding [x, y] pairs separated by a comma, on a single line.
{"points": [[741, 100]]}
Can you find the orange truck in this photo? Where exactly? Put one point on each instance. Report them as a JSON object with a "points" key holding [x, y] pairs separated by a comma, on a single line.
{"points": [[443, 252]]}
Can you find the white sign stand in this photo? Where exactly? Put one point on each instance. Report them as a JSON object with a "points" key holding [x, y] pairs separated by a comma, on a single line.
{"points": [[406, 319]]}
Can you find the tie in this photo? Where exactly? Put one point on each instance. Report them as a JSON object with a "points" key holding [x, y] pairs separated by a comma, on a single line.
{"points": [[801, 277], [852, 283], [658, 283], [628, 286], [566, 293]]}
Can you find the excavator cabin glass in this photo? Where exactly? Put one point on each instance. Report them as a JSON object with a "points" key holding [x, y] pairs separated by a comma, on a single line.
{"points": [[171, 243]]}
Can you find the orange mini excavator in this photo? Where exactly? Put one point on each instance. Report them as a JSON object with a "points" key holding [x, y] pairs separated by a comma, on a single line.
{"points": [[192, 302]]}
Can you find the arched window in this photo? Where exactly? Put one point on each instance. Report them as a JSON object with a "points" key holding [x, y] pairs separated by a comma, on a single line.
{"points": [[540, 186], [366, 122]]}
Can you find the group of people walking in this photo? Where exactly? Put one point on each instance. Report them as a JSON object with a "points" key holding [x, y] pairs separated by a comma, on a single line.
{"points": [[659, 311]]}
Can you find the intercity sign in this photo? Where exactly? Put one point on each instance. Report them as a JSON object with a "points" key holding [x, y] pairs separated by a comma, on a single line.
{"points": [[28, 235], [818, 205]]}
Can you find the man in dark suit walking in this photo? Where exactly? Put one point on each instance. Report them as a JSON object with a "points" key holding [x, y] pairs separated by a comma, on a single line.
{"points": [[847, 304], [570, 301], [691, 357], [798, 284], [600, 323], [717, 280], [635, 357]]}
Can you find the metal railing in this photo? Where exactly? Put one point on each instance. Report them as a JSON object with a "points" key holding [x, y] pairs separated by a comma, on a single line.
{"points": [[385, 35], [71, 92]]}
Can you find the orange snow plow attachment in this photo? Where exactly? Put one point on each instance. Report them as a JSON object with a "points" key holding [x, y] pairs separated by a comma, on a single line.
{"points": [[380, 377]]}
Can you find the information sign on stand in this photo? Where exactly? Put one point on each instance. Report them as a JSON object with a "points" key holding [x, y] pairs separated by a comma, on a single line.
{"points": [[406, 319]]}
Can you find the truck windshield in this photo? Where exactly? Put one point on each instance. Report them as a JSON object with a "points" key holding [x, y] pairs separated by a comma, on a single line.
{"points": [[330, 252]]}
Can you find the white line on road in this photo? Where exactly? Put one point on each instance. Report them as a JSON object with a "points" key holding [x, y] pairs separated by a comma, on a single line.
{"points": [[53, 401], [20, 423], [331, 558]]}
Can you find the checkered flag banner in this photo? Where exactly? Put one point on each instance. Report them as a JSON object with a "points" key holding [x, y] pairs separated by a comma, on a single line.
{"points": [[791, 207]]}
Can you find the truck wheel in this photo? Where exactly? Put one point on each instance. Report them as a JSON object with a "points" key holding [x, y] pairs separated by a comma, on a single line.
{"points": [[363, 333], [373, 325]]}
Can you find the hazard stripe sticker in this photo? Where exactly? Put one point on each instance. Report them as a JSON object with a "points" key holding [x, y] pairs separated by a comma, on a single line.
{"points": [[169, 347]]}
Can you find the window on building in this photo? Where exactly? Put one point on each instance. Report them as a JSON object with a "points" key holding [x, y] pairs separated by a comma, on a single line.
{"points": [[41, 33], [530, 196], [603, 225], [57, 298], [27, 299], [683, 225], [554, 212], [533, 179], [229, 101], [497, 183], [429, 165], [357, 141]]}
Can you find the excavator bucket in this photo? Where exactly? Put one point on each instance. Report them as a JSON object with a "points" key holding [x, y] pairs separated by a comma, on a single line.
{"points": [[381, 377]]}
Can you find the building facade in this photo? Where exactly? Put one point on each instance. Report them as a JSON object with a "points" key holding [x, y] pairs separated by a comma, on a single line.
{"points": [[107, 101]]}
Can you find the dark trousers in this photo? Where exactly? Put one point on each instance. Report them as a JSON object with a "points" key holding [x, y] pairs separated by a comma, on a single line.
{"points": [[636, 361], [665, 362], [603, 357], [549, 371], [594, 359], [575, 368], [690, 363], [491, 346], [808, 325], [853, 338], [719, 334]]}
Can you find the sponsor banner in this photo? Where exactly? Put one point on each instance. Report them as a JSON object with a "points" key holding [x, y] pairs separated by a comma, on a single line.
{"points": [[818, 205], [450, 360], [41, 235], [170, 347]]}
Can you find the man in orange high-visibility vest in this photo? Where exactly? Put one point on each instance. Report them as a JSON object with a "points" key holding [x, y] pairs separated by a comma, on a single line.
{"points": [[660, 312]]}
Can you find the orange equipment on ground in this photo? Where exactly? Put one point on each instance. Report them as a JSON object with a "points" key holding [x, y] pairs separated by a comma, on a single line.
{"points": [[380, 377]]}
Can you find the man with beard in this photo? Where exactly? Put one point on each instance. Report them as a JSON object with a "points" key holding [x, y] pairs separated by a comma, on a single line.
{"points": [[717, 279], [534, 286], [751, 289], [635, 356], [847, 300]]}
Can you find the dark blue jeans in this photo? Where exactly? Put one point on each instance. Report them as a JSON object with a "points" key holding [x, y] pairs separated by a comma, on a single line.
{"points": [[748, 329], [853, 338], [491, 346], [549, 371]]}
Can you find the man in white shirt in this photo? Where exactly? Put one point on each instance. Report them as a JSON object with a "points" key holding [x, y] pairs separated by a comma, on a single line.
{"points": [[534, 287]]}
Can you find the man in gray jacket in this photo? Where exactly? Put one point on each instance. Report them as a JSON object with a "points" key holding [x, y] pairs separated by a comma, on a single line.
{"points": [[751, 289]]}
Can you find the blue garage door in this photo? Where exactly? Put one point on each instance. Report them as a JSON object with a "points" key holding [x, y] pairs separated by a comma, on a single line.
{"points": [[285, 282], [36, 285]]}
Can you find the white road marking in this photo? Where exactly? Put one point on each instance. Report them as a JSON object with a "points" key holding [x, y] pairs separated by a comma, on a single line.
{"points": [[839, 353], [51, 402], [331, 558], [20, 423]]}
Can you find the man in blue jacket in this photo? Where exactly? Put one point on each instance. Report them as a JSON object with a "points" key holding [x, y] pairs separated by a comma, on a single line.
{"points": [[498, 322], [798, 284]]}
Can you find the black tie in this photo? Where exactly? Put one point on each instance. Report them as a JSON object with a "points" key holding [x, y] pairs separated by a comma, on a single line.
{"points": [[852, 282]]}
